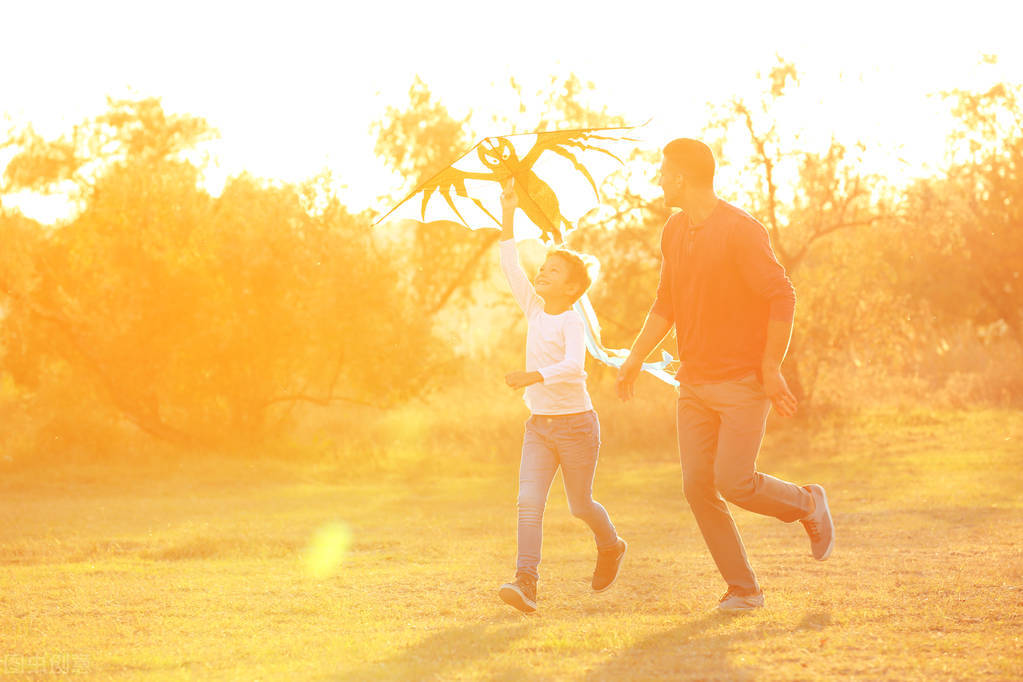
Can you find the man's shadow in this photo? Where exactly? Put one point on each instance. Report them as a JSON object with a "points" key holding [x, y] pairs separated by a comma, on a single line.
{"points": [[685, 652]]}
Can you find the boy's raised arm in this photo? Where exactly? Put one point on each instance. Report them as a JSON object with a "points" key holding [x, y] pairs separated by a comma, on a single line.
{"points": [[521, 289], [509, 202]]}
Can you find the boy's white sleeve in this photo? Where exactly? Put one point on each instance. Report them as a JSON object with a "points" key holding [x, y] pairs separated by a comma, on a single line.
{"points": [[572, 368], [521, 289]]}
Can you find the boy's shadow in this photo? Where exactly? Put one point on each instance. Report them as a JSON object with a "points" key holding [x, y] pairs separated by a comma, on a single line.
{"points": [[686, 653], [441, 654]]}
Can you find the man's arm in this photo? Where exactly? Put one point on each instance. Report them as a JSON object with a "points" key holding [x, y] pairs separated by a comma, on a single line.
{"points": [[658, 322], [778, 334], [654, 329], [766, 277]]}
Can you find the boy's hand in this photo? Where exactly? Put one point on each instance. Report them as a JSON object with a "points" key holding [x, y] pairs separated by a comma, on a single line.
{"points": [[627, 375], [523, 379], [509, 200]]}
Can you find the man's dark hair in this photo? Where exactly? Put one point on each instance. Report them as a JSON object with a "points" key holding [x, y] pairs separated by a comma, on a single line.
{"points": [[693, 158]]}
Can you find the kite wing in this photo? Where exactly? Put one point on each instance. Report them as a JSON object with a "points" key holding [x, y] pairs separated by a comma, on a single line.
{"points": [[453, 194], [554, 190], [573, 144]]}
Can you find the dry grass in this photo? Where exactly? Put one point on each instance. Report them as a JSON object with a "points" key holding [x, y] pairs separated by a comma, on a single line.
{"points": [[197, 572]]}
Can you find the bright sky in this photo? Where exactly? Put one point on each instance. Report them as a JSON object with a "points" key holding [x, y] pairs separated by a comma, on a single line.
{"points": [[293, 87]]}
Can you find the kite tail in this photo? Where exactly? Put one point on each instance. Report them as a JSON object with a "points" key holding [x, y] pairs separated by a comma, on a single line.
{"points": [[615, 357]]}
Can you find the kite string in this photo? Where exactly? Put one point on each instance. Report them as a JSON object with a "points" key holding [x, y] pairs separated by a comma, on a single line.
{"points": [[614, 357]]}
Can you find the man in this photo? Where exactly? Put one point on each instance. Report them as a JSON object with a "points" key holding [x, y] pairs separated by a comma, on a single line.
{"points": [[732, 307]]}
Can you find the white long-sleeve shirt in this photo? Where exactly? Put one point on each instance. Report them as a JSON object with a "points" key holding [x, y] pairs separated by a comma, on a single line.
{"points": [[555, 346]]}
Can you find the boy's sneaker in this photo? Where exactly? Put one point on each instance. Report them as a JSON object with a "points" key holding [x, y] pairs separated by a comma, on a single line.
{"points": [[608, 563], [740, 599], [819, 525], [521, 594]]}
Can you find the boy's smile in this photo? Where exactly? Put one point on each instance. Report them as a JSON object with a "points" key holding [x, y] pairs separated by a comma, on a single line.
{"points": [[553, 281]]}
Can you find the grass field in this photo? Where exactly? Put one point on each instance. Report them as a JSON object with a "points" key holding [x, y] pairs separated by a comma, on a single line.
{"points": [[202, 570]]}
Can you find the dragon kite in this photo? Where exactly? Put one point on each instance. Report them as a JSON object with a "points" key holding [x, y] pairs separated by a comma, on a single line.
{"points": [[462, 192]]}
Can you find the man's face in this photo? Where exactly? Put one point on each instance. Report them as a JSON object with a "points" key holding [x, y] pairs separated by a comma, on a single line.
{"points": [[671, 182]]}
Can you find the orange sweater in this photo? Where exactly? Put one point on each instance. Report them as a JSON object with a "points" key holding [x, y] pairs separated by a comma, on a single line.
{"points": [[720, 283]]}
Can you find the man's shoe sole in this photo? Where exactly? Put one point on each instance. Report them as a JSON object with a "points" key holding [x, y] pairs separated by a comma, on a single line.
{"points": [[618, 569], [740, 609], [831, 545], [750, 603], [513, 596]]}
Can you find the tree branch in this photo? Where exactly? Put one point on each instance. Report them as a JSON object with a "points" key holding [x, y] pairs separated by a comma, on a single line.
{"points": [[760, 144], [464, 274]]}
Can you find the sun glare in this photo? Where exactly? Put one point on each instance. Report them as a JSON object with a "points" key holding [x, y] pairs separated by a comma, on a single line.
{"points": [[263, 418], [307, 104], [327, 549]]}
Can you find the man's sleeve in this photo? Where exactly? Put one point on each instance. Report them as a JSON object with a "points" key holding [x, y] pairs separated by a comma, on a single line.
{"points": [[764, 275], [663, 304]]}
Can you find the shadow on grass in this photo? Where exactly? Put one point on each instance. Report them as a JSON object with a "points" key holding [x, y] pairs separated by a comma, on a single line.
{"points": [[709, 648], [439, 655]]}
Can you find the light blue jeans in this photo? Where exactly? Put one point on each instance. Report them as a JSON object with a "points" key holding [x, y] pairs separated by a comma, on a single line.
{"points": [[571, 442]]}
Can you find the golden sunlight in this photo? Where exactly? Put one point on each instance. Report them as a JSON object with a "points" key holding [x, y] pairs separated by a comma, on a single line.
{"points": [[327, 549], [307, 369]]}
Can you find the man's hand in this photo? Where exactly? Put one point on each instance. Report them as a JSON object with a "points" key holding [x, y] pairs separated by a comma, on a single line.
{"points": [[523, 379], [778, 391], [627, 375]]}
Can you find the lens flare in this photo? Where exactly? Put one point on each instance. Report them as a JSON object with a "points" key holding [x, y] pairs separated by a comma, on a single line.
{"points": [[327, 549]]}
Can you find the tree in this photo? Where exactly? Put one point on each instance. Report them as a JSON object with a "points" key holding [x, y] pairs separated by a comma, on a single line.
{"points": [[803, 198], [200, 319], [422, 138], [416, 142], [982, 201]]}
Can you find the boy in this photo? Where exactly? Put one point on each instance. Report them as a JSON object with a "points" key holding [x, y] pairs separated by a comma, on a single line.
{"points": [[563, 429]]}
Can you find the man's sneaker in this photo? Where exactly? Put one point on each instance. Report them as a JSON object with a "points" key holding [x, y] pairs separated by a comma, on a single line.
{"points": [[819, 525], [740, 599], [608, 563], [521, 594]]}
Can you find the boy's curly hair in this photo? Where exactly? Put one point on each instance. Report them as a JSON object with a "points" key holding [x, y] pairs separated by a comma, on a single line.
{"points": [[583, 268]]}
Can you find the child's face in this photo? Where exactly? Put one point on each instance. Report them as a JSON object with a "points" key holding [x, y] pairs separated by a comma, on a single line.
{"points": [[554, 280]]}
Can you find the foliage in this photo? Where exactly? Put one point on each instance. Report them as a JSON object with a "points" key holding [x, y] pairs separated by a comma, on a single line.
{"points": [[208, 320], [804, 198], [418, 141], [201, 319], [968, 223]]}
